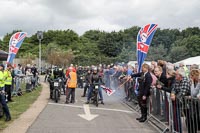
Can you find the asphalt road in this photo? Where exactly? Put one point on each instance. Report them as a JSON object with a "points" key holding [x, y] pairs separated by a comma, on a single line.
{"points": [[113, 117]]}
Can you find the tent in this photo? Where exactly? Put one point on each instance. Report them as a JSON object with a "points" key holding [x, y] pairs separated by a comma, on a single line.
{"points": [[3, 55], [190, 61]]}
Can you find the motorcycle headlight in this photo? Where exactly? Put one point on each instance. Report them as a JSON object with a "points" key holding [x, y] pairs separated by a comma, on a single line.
{"points": [[96, 86]]}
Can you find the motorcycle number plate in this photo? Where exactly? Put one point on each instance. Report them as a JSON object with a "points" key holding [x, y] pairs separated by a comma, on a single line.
{"points": [[96, 87], [55, 83]]}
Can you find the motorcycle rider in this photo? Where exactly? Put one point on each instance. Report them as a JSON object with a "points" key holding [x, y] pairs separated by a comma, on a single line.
{"points": [[87, 81], [95, 78], [80, 76], [58, 73]]}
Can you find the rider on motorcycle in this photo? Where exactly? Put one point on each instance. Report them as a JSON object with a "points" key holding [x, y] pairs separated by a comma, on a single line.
{"points": [[87, 81], [54, 74], [58, 73], [95, 78]]}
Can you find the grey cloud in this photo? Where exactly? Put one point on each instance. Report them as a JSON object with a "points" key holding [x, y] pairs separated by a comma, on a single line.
{"points": [[108, 15]]}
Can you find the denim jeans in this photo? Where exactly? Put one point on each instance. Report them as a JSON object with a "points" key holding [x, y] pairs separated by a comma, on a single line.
{"points": [[4, 104], [18, 83], [90, 92]]}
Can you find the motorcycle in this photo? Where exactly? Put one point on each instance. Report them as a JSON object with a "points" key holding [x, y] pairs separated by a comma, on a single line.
{"points": [[57, 84], [95, 94]]}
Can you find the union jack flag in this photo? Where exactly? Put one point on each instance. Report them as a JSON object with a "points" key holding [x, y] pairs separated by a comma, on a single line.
{"points": [[144, 38], [14, 45], [108, 91]]}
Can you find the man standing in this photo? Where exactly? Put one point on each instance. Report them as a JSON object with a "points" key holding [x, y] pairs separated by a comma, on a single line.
{"points": [[8, 81], [71, 85], [145, 81], [2, 94], [181, 89]]}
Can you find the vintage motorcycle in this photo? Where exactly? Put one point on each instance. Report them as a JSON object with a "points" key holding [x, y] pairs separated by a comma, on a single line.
{"points": [[95, 94]]}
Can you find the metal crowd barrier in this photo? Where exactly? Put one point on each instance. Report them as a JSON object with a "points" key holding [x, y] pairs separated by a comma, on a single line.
{"points": [[24, 83], [181, 115]]}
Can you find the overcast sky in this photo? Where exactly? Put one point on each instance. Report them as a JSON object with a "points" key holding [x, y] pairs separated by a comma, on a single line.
{"points": [[108, 15]]}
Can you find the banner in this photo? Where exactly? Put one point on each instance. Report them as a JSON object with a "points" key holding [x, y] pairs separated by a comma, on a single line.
{"points": [[144, 38], [14, 45], [108, 91]]}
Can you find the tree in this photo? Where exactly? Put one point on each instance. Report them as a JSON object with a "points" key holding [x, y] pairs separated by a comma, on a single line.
{"points": [[157, 53], [193, 45], [111, 44], [93, 35], [178, 53]]}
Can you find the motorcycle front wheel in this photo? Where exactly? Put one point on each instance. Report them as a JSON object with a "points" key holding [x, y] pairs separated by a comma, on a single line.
{"points": [[56, 95]]}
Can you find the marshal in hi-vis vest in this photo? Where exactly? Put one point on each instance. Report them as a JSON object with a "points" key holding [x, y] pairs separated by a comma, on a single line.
{"points": [[72, 83], [8, 77]]}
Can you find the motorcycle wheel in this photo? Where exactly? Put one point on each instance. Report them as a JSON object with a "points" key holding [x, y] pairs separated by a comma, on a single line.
{"points": [[56, 95], [97, 99]]}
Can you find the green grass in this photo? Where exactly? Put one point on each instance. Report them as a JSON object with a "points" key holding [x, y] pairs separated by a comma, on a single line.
{"points": [[20, 105]]}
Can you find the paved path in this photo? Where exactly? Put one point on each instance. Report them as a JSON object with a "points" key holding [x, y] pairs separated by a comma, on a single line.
{"points": [[45, 116], [113, 117], [25, 120]]}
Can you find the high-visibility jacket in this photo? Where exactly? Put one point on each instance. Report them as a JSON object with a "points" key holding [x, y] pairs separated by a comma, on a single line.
{"points": [[2, 79], [186, 71], [8, 77], [72, 80]]}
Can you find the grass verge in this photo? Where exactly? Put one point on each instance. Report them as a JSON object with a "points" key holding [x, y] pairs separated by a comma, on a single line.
{"points": [[20, 105]]}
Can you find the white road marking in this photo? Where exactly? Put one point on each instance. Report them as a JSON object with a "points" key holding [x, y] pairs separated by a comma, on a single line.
{"points": [[88, 116], [94, 108]]}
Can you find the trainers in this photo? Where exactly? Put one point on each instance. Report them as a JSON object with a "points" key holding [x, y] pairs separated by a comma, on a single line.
{"points": [[66, 102], [87, 102], [102, 102], [8, 118]]}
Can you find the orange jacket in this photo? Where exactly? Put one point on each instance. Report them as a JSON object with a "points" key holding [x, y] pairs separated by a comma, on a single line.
{"points": [[72, 80], [67, 71]]}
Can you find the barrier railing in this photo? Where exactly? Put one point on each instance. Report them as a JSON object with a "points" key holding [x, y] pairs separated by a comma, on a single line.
{"points": [[24, 83], [181, 115]]}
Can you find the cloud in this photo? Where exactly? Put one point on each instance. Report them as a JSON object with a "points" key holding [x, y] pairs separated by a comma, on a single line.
{"points": [[83, 15]]}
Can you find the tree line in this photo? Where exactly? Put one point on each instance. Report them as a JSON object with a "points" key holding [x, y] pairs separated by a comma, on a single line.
{"points": [[62, 47]]}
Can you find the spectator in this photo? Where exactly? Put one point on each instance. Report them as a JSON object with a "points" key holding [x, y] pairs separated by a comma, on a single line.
{"points": [[194, 107], [195, 83], [145, 81], [182, 88], [181, 65]]}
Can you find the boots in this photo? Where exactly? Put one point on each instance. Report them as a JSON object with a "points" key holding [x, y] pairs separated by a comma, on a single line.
{"points": [[144, 114], [139, 118], [141, 115]]}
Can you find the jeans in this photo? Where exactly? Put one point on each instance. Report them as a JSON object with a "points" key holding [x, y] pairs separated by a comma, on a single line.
{"points": [[90, 92], [18, 83], [4, 104]]}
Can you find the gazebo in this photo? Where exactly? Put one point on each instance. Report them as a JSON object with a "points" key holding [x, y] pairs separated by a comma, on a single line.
{"points": [[3, 55]]}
